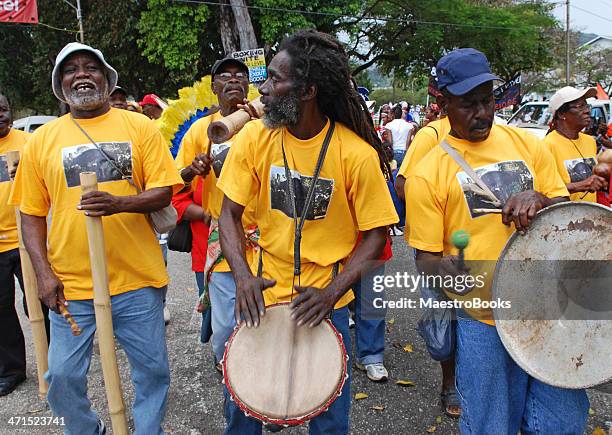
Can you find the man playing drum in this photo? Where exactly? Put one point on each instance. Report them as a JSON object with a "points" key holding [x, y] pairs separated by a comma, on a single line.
{"points": [[497, 396], [307, 93]]}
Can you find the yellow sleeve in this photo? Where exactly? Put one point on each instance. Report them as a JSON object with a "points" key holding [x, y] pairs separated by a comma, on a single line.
{"points": [[194, 142], [158, 167], [424, 216], [238, 179], [550, 182], [29, 190], [422, 143], [370, 196]]}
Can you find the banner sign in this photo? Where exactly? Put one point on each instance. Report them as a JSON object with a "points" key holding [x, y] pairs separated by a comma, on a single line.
{"points": [[18, 11], [509, 93], [432, 88], [256, 61]]}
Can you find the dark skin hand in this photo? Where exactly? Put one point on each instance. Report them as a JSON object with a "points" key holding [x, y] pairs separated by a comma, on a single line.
{"points": [[50, 288], [200, 166], [521, 208], [434, 264], [594, 183], [100, 203], [312, 304]]}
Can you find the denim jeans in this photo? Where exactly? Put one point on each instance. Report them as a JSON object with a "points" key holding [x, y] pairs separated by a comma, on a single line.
{"points": [[498, 397], [138, 324], [222, 300], [206, 328], [334, 421], [398, 156], [369, 321]]}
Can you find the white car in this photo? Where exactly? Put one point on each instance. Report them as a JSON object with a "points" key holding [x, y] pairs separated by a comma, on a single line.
{"points": [[31, 123], [535, 117]]}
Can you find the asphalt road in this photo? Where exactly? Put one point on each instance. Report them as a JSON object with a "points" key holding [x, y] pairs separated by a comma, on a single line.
{"points": [[195, 400]]}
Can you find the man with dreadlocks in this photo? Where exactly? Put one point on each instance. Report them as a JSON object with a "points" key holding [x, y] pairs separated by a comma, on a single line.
{"points": [[307, 94]]}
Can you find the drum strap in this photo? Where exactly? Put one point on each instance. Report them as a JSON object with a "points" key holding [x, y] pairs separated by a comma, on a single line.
{"points": [[485, 191]]}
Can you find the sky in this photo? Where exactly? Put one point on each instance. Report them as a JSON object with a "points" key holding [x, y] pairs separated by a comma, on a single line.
{"points": [[589, 16]]}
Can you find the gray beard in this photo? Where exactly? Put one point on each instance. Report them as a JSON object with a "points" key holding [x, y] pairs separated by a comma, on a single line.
{"points": [[283, 111], [94, 99]]}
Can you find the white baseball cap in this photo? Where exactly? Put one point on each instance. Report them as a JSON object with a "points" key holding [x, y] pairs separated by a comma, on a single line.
{"points": [[56, 80], [568, 94]]}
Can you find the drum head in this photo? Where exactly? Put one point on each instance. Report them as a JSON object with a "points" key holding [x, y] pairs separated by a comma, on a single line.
{"points": [[557, 277], [281, 373]]}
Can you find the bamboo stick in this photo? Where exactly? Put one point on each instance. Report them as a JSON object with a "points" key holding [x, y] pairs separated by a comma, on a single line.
{"points": [[487, 210], [225, 128], [104, 316], [35, 313]]}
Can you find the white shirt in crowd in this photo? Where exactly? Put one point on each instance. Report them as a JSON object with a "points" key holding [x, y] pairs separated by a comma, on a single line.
{"points": [[400, 130]]}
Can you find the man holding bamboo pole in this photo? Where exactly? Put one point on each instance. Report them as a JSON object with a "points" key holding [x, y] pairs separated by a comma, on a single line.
{"points": [[12, 344], [136, 176]]}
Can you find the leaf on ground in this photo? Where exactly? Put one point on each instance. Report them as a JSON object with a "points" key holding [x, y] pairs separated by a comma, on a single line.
{"points": [[397, 345], [430, 429], [359, 396], [405, 383], [378, 407], [438, 419], [190, 289], [35, 411], [391, 321], [599, 431], [591, 411], [408, 348]]}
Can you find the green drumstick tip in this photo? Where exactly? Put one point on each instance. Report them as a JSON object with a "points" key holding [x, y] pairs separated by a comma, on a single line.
{"points": [[460, 239]]}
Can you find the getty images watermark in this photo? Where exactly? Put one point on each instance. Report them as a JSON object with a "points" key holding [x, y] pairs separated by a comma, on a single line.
{"points": [[458, 284]]}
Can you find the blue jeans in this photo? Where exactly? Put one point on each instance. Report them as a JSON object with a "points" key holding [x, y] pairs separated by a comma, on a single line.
{"points": [[498, 397], [369, 321], [398, 156], [206, 328], [334, 421], [138, 322], [222, 290]]}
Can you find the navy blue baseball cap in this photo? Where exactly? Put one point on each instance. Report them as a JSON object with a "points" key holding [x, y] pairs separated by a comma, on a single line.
{"points": [[462, 70]]}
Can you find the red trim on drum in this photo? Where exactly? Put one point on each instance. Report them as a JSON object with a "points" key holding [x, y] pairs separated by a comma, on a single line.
{"points": [[294, 421]]}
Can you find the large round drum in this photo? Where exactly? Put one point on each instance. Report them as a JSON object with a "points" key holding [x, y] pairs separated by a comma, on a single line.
{"points": [[281, 373], [558, 278]]}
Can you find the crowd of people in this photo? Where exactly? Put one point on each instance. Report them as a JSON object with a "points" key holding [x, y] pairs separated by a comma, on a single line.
{"points": [[345, 187]]}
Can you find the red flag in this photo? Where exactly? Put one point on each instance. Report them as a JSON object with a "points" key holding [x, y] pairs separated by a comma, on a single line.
{"points": [[18, 11], [601, 94]]}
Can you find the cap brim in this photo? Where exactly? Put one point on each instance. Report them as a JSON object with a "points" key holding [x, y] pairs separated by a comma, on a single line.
{"points": [[589, 93], [229, 60], [467, 85]]}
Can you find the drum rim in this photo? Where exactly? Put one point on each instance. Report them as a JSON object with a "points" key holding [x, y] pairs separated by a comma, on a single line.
{"points": [[296, 421], [503, 337]]}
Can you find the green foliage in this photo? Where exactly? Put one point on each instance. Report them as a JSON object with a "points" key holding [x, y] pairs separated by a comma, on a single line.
{"points": [[170, 33]]}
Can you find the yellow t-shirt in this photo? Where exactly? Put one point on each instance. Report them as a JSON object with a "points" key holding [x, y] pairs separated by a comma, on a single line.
{"points": [[575, 160], [441, 199], [48, 178], [423, 142], [195, 142], [351, 196], [13, 141]]}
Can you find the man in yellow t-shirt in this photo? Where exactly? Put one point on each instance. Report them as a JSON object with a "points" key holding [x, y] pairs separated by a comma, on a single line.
{"points": [[127, 145], [496, 395], [12, 344], [196, 157], [575, 153], [308, 91], [424, 141]]}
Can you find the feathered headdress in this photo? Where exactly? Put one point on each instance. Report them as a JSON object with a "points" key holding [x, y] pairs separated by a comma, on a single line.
{"points": [[194, 103]]}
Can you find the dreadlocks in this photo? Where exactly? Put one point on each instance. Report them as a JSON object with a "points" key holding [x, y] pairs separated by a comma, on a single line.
{"points": [[319, 59]]}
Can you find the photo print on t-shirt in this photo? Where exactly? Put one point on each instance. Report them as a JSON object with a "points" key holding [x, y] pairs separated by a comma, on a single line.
{"points": [[504, 179], [87, 158], [218, 153], [4, 172], [579, 169], [279, 198]]}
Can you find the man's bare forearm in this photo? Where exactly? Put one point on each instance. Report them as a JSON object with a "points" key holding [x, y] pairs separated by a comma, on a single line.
{"points": [[367, 252], [148, 201], [231, 236], [34, 233]]}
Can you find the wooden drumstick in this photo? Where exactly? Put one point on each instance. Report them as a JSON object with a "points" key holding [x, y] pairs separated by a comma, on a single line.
{"points": [[76, 331], [460, 240], [35, 312], [225, 128], [104, 316], [488, 210]]}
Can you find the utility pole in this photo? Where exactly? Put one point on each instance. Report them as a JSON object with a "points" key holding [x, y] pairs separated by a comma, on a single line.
{"points": [[79, 13], [567, 43]]}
